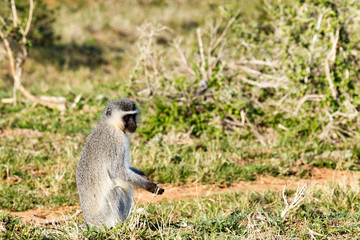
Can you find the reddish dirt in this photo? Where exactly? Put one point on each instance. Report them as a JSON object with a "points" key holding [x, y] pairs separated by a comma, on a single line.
{"points": [[45, 215], [320, 176]]}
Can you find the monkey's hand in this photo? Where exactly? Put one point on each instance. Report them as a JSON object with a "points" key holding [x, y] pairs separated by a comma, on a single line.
{"points": [[146, 177], [159, 191]]}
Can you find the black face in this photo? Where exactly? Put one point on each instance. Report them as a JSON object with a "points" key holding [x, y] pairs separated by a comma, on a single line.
{"points": [[124, 105], [130, 122]]}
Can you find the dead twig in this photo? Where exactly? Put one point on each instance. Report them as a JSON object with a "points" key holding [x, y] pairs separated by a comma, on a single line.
{"points": [[182, 57], [257, 135], [232, 123], [28, 22], [260, 75], [39, 216], [254, 129], [57, 222], [334, 120], [3, 22], [150, 61], [9, 52], [223, 34], [300, 195], [328, 127], [263, 84], [257, 62], [313, 233], [310, 97], [313, 42], [331, 58], [76, 101], [202, 56], [215, 42], [13, 10]]}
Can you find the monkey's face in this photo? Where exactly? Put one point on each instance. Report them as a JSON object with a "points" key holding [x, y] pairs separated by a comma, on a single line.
{"points": [[122, 114], [130, 123]]}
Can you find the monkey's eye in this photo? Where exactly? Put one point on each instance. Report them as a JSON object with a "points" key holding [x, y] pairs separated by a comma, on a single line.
{"points": [[126, 118]]}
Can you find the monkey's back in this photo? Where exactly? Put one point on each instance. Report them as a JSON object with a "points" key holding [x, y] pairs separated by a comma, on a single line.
{"points": [[101, 203]]}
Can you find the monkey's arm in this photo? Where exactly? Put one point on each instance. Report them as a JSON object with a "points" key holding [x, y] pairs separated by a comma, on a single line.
{"points": [[136, 180], [141, 182], [141, 173]]}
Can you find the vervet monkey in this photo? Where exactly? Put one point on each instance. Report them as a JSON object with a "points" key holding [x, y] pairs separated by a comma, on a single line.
{"points": [[104, 178]]}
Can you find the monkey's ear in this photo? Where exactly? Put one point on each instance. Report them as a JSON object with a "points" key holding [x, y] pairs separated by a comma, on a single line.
{"points": [[108, 112]]}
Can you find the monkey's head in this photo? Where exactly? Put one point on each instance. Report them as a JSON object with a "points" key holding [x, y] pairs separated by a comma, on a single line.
{"points": [[122, 114]]}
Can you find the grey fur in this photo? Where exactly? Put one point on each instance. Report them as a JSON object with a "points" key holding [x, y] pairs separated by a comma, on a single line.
{"points": [[104, 178]]}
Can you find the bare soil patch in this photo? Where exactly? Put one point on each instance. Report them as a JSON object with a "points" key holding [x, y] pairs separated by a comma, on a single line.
{"points": [[42, 216], [320, 177]]}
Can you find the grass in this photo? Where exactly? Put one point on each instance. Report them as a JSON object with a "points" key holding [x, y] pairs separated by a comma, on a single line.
{"points": [[249, 123], [331, 212]]}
